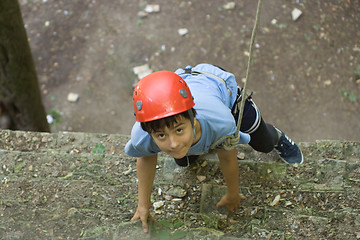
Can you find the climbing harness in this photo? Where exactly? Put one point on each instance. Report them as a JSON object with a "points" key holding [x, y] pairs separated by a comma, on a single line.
{"points": [[188, 70], [230, 142]]}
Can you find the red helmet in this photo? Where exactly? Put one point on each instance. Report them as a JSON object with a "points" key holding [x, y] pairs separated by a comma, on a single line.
{"points": [[159, 95]]}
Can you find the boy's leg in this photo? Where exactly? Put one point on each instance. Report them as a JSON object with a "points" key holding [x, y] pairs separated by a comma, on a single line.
{"points": [[265, 137]]}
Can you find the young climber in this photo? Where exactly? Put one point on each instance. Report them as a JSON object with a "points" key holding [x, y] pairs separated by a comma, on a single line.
{"points": [[184, 114]]}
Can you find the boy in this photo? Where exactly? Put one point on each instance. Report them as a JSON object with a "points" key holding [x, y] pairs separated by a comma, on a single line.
{"points": [[183, 114]]}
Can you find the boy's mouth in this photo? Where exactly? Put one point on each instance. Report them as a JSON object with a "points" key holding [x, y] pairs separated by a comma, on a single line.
{"points": [[178, 154]]}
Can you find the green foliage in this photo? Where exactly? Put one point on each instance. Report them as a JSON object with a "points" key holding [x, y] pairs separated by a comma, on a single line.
{"points": [[19, 166], [52, 97], [166, 224], [56, 116], [307, 37], [317, 27], [354, 179], [357, 70], [120, 199], [166, 230], [345, 93], [99, 149]]}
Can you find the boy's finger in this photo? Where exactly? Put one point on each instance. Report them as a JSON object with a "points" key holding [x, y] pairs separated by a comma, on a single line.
{"points": [[134, 218], [219, 204], [145, 226]]}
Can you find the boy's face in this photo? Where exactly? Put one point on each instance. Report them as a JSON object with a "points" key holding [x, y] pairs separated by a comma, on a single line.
{"points": [[175, 140]]}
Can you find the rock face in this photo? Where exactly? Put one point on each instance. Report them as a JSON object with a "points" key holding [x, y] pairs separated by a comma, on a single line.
{"points": [[83, 186]]}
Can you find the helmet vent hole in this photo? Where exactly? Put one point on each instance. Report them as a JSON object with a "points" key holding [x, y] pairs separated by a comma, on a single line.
{"points": [[139, 105], [183, 93]]}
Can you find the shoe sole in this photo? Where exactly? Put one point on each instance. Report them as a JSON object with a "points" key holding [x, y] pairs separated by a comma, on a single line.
{"points": [[302, 160]]}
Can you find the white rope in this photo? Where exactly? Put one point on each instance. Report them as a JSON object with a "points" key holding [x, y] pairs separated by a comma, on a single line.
{"points": [[231, 141]]}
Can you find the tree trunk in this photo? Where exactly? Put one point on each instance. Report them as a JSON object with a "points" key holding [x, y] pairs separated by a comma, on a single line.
{"points": [[19, 90]]}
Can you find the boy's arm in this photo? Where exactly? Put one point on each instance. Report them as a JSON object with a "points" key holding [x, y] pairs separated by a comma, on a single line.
{"points": [[230, 169], [146, 167]]}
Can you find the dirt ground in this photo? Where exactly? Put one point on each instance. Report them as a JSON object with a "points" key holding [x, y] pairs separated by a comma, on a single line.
{"points": [[305, 75]]}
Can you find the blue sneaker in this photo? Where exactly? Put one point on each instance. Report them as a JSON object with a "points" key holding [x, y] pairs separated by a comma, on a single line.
{"points": [[288, 150]]}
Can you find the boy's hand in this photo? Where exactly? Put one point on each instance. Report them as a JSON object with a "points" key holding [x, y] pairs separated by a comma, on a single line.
{"points": [[143, 214], [146, 167], [230, 202]]}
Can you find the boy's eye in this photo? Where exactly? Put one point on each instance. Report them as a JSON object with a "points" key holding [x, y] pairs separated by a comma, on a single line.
{"points": [[161, 136], [179, 130]]}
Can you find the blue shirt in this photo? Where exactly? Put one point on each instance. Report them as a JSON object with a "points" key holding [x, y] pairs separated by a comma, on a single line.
{"points": [[213, 103]]}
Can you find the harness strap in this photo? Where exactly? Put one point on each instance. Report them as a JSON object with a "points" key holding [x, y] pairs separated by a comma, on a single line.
{"points": [[210, 75], [229, 141]]}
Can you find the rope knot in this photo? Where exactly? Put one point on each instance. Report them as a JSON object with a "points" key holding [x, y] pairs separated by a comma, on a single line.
{"points": [[231, 142]]}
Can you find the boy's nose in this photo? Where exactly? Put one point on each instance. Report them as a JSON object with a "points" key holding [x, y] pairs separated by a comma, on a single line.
{"points": [[173, 142]]}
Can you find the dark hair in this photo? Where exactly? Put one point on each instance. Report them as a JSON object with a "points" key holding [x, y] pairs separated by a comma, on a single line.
{"points": [[156, 125]]}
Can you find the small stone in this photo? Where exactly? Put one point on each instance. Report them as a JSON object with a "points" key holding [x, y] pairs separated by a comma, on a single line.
{"points": [[204, 164], [142, 14], [168, 197], [201, 178], [241, 156], [50, 119], [229, 5], [275, 201], [142, 70], [112, 150], [327, 82], [152, 8], [177, 192], [183, 31], [5, 121], [295, 14], [158, 204], [176, 199], [127, 172], [158, 212], [73, 97], [274, 21]]}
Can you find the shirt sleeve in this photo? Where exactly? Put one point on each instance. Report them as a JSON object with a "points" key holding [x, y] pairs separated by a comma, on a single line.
{"points": [[141, 143]]}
